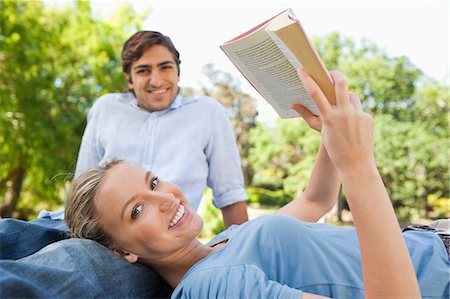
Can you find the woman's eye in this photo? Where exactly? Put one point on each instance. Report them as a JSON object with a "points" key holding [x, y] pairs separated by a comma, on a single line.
{"points": [[136, 211], [154, 183]]}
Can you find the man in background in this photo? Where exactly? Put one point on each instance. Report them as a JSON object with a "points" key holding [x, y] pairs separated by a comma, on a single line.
{"points": [[186, 140]]}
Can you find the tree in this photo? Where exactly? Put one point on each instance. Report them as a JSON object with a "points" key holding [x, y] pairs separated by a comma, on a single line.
{"points": [[385, 84], [431, 107], [54, 62], [283, 155], [412, 162]]}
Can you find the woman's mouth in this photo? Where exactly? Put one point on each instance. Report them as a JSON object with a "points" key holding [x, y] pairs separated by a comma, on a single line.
{"points": [[179, 214]]}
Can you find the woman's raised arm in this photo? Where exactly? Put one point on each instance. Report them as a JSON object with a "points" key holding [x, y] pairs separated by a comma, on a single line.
{"points": [[347, 135]]}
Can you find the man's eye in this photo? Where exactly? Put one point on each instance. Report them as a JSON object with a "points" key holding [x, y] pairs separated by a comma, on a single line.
{"points": [[142, 71], [154, 182], [136, 211]]}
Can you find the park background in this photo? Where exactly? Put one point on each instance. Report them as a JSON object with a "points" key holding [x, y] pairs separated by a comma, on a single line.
{"points": [[57, 57]]}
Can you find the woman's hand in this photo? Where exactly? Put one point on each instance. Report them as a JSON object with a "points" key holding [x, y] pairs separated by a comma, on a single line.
{"points": [[347, 131], [312, 120]]}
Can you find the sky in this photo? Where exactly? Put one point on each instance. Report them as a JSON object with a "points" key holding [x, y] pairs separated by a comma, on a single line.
{"points": [[416, 29]]}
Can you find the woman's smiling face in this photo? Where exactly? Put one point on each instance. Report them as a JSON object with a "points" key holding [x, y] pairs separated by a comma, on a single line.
{"points": [[146, 217]]}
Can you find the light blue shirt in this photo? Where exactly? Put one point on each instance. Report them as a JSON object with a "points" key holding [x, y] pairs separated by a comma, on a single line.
{"points": [[278, 256], [191, 144]]}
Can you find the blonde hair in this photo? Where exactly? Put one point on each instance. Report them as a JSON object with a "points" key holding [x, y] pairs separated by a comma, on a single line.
{"points": [[80, 213]]}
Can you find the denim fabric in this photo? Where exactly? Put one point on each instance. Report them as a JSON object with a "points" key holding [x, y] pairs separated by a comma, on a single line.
{"points": [[71, 268], [20, 238]]}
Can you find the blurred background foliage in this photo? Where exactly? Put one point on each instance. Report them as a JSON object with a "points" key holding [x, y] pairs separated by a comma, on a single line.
{"points": [[55, 61]]}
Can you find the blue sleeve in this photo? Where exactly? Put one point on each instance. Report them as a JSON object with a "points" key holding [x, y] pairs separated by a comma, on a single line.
{"points": [[225, 176], [239, 281], [90, 153]]}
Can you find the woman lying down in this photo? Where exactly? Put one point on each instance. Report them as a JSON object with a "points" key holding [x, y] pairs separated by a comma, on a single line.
{"points": [[285, 255]]}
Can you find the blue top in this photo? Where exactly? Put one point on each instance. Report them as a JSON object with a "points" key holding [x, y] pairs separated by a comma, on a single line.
{"points": [[278, 256], [191, 144]]}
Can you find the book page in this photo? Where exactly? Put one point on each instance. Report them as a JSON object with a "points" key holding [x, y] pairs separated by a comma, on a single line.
{"points": [[269, 56], [266, 67], [279, 79]]}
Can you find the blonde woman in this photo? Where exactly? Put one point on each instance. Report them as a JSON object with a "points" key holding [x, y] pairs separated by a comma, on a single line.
{"points": [[287, 255]]}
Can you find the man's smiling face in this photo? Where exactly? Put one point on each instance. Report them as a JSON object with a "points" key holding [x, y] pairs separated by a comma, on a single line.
{"points": [[154, 79]]}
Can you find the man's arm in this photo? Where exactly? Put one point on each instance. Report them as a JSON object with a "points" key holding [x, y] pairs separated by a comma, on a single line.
{"points": [[235, 213], [88, 154], [225, 176]]}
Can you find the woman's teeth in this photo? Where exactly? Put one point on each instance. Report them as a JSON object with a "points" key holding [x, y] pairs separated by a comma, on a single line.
{"points": [[178, 216]]}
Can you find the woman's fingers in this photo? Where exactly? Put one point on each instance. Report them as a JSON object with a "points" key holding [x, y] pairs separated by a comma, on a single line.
{"points": [[312, 120], [355, 101], [315, 92], [341, 89], [302, 110]]}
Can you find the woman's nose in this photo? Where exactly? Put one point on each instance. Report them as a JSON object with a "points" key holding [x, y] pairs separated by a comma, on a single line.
{"points": [[167, 201]]}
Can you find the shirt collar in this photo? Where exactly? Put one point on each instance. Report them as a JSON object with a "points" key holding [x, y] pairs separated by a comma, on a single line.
{"points": [[181, 101], [177, 103]]}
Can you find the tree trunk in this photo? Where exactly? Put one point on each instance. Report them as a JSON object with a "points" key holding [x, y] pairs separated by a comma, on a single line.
{"points": [[12, 195], [341, 205]]}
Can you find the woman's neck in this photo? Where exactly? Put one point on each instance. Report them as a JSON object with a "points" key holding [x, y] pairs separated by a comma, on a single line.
{"points": [[173, 269]]}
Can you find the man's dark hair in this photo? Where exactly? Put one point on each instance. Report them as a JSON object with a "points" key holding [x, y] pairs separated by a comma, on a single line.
{"points": [[139, 42]]}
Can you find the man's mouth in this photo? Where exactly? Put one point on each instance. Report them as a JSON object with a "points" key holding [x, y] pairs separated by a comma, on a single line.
{"points": [[178, 216], [158, 91]]}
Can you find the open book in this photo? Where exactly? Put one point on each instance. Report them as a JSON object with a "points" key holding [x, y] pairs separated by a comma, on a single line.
{"points": [[269, 56]]}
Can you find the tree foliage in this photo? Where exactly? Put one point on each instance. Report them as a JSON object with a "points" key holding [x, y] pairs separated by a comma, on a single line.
{"points": [[54, 62], [412, 162], [282, 156], [385, 84], [412, 135]]}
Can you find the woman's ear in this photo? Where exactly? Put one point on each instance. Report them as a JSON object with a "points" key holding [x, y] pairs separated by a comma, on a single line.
{"points": [[130, 257]]}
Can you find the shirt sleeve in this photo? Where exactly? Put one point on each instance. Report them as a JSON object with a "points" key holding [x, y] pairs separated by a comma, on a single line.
{"points": [[225, 176], [89, 154], [239, 281]]}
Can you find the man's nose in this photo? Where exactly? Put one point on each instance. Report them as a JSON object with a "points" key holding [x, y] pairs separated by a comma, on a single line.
{"points": [[155, 79]]}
